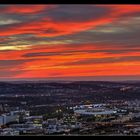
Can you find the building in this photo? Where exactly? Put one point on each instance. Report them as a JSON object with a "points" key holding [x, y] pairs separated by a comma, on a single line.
{"points": [[94, 113], [8, 118], [94, 110]]}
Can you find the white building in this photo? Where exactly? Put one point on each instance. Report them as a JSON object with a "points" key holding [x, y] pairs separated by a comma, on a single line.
{"points": [[7, 118], [86, 112], [1, 121]]}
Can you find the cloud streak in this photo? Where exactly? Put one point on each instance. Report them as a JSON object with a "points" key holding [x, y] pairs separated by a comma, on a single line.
{"points": [[43, 41]]}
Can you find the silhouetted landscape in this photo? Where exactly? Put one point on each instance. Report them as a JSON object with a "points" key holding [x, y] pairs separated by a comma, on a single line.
{"points": [[71, 91]]}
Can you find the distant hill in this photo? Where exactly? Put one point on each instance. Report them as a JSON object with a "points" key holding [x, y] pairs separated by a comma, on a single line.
{"points": [[99, 90]]}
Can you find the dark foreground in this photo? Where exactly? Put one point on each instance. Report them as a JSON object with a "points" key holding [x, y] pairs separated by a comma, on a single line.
{"points": [[70, 108]]}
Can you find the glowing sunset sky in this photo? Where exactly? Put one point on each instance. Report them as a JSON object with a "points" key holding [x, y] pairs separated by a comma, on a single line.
{"points": [[69, 41]]}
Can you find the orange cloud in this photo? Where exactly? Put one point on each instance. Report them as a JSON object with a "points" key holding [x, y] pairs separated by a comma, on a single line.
{"points": [[56, 65], [93, 70], [27, 9]]}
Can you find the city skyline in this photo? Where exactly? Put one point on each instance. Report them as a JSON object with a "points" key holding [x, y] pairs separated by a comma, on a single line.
{"points": [[70, 42]]}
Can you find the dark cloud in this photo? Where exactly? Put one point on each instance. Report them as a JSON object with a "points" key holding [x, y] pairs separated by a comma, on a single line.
{"points": [[130, 37], [7, 64], [13, 62], [73, 51], [38, 54], [9, 73], [77, 13]]}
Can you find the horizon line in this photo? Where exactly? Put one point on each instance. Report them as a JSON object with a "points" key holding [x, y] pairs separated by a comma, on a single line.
{"points": [[81, 78]]}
